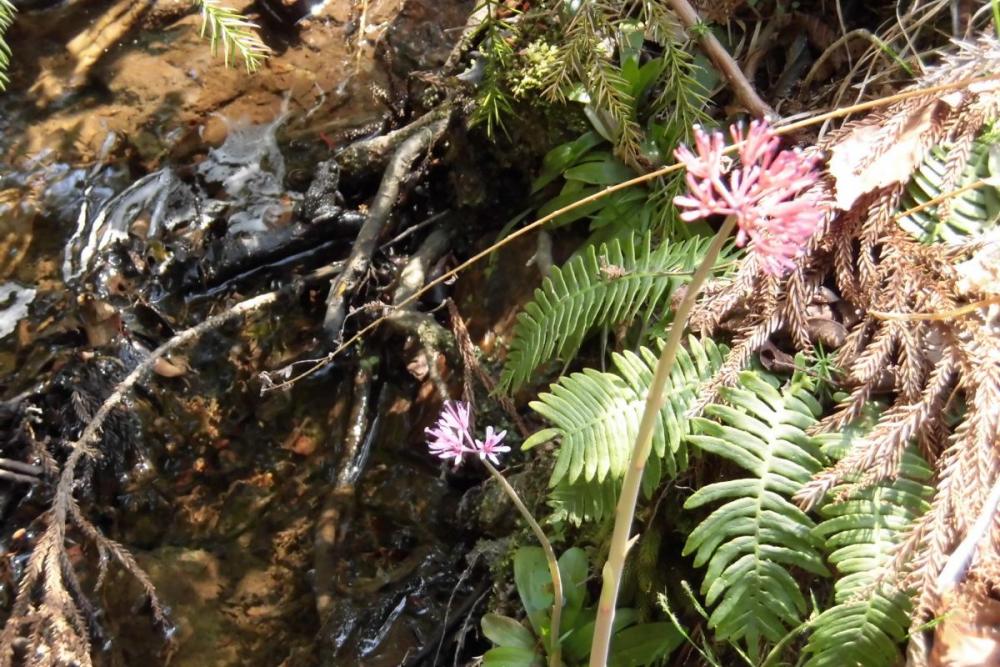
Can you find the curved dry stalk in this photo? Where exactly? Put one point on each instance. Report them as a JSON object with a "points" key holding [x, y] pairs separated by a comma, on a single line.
{"points": [[555, 651]]}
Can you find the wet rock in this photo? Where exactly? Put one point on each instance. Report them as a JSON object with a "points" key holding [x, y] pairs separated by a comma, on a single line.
{"points": [[323, 201]]}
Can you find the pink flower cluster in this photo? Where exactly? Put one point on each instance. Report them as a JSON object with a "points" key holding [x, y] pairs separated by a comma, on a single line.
{"points": [[767, 193], [451, 436]]}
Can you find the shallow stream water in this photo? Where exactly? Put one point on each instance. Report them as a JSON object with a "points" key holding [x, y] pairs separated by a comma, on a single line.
{"points": [[148, 188]]}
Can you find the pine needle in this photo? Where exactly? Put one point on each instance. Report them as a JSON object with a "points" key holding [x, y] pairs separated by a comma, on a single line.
{"points": [[236, 33], [7, 11]]}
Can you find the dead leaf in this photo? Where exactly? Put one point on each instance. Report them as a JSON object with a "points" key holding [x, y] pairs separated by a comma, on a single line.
{"points": [[855, 175], [831, 334], [962, 640], [775, 359], [303, 445], [171, 368]]}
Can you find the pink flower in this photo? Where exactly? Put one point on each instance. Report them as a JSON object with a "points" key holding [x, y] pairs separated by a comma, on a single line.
{"points": [[448, 435], [455, 415], [451, 436], [491, 445], [447, 444], [768, 193]]}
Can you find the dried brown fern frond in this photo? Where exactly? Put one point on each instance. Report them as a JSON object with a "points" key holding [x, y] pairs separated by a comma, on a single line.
{"points": [[52, 617], [912, 334]]}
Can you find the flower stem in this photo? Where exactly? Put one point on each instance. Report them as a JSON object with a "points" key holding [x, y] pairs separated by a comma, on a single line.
{"points": [[625, 511], [555, 657]]}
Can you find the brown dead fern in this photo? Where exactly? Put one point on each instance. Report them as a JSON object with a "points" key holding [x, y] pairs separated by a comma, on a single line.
{"points": [[930, 365]]}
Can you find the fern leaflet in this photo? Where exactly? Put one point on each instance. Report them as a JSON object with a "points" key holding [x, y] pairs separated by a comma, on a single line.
{"points": [[750, 541], [7, 11], [595, 416], [971, 213], [606, 286], [870, 618]]}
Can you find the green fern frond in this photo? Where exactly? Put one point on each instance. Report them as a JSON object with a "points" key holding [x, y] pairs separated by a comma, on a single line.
{"points": [[861, 533], [971, 213], [7, 11], [595, 416], [758, 533], [583, 501], [610, 285], [610, 95], [236, 33]]}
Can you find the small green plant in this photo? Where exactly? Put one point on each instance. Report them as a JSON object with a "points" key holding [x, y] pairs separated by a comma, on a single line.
{"points": [[518, 645], [665, 100], [493, 100], [451, 439]]}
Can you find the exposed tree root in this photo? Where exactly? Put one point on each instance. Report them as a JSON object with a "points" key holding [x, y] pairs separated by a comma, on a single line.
{"points": [[370, 155], [338, 504], [357, 265]]}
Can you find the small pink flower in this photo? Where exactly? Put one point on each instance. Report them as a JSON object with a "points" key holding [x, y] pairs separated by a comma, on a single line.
{"points": [[450, 438], [489, 447], [768, 193], [455, 416], [448, 435], [447, 444]]}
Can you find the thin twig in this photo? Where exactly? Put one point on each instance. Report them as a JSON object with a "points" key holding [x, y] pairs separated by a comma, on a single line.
{"points": [[15, 477], [946, 315], [21, 467], [975, 185], [742, 88]]}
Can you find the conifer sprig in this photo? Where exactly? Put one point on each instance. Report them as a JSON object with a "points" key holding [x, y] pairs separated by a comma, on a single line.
{"points": [[237, 34]]}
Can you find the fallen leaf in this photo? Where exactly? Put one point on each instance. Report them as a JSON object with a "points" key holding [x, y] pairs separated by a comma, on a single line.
{"points": [[849, 162], [830, 333], [170, 369], [963, 640]]}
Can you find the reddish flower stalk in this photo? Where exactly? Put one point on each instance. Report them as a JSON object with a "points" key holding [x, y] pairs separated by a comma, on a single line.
{"points": [[767, 199], [768, 193]]}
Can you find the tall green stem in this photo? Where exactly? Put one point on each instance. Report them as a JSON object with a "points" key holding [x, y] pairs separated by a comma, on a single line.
{"points": [[555, 652], [625, 511]]}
